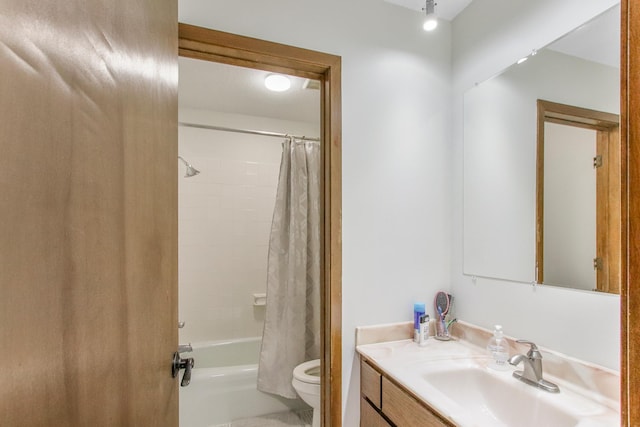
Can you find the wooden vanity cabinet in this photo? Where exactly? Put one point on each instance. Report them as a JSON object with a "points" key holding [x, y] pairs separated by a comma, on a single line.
{"points": [[405, 410], [371, 384], [369, 417], [383, 403]]}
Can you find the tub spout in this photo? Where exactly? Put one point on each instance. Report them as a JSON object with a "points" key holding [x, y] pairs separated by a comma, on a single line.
{"points": [[185, 348]]}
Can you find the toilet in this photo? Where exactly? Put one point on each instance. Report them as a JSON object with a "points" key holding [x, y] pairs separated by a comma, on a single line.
{"points": [[306, 382]]}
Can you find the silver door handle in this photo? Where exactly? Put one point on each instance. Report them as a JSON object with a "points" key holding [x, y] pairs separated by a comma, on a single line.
{"points": [[186, 364]]}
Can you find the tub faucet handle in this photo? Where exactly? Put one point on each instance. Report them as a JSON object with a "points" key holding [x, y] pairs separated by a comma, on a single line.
{"points": [[186, 364]]}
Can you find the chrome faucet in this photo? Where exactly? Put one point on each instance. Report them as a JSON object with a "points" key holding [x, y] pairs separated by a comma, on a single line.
{"points": [[532, 372]]}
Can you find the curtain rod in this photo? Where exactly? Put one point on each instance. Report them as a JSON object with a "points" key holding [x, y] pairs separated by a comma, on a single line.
{"points": [[248, 131]]}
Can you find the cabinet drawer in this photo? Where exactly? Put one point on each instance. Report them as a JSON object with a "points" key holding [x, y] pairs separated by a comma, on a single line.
{"points": [[370, 383], [369, 417], [404, 410]]}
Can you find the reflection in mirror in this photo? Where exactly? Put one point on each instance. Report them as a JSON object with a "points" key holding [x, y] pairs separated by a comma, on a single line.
{"points": [[500, 150], [578, 214]]}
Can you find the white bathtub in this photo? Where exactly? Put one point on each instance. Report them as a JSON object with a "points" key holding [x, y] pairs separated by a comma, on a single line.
{"points": [[223, 385]]}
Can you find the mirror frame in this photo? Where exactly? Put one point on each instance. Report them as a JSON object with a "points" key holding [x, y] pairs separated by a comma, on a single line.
{"points": [[211, 45]]}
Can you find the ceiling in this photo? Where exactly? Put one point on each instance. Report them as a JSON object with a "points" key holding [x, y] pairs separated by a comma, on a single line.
{"points": [[238, 90]]}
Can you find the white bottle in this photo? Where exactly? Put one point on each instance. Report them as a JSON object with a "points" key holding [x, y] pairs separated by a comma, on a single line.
{"points": [[498, 348], [424, 330]]}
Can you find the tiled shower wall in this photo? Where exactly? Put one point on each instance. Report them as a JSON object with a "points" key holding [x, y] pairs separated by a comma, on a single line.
{"points": [[224, 221]]}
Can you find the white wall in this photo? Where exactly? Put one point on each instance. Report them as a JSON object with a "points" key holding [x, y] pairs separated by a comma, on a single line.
{"points": [[396, 147], [487, 37], [224, 221]]}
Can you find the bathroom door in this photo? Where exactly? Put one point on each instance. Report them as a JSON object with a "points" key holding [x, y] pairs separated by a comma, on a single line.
{"points": [[88, 221]]}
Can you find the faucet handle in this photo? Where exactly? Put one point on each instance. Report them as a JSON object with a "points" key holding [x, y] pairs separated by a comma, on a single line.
{"points": [[533, 352]]}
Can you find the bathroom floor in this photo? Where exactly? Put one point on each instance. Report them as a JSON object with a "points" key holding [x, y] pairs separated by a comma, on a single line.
{"points": [[281, 419]]}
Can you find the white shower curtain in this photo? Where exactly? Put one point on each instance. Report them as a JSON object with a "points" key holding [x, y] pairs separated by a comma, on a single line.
{"points": [[292, 324]]}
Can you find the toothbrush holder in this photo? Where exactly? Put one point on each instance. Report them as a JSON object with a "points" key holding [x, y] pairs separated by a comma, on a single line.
{"points": [[442, 331]]}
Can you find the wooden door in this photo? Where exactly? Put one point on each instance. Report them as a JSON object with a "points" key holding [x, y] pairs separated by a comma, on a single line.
{"points": [[608, 263], [88, 218]]}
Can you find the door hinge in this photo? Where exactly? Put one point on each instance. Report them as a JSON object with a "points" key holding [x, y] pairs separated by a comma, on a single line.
{"points": [[597, 161], [597, 263]]}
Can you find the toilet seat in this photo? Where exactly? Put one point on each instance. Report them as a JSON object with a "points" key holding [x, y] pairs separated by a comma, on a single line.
{"points": [[308, 372]]}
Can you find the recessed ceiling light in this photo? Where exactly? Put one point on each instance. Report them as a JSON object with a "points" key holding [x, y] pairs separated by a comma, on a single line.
{"points": [[521, 60], [277, 82]]}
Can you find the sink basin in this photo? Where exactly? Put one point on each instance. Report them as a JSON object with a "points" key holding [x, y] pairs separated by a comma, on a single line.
{"points": [[497, 399]]}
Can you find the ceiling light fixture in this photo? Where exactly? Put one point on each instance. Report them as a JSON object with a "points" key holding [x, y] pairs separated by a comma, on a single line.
{"points": [[277, 82], [431, 22]]}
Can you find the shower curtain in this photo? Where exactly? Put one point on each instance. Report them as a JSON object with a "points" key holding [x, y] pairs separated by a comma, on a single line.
{"points": [[292, 323]]}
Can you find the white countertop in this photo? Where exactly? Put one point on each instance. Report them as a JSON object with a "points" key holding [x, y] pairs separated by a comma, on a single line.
{"points": [[412, 366]]}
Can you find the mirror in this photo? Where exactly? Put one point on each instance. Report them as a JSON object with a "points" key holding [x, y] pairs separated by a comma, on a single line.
{"points": [[501, 127]]}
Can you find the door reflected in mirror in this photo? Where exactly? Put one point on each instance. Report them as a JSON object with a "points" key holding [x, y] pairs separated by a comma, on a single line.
{"points": [[578, 215]]}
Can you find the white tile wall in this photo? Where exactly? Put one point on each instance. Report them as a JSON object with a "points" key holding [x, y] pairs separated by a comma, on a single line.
{"points": [[224, 221]]}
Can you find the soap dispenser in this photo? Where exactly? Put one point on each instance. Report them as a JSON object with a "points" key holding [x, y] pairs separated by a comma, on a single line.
{"points": [[498, 348]]}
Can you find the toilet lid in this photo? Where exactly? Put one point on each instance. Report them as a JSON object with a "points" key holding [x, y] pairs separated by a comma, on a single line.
{"points": [[308, 372]]}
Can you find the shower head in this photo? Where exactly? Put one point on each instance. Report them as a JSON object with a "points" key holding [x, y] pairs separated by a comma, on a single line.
{"points": [[191, 171]]}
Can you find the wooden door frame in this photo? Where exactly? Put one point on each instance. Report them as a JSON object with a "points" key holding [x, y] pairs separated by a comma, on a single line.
{"points": [[211, 45], [630, 133], [607, 126]]}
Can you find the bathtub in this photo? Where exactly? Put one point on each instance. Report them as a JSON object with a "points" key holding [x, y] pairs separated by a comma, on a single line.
{"points": [[223, 385]]}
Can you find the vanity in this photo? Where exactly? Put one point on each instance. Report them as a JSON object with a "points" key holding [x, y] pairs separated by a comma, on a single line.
{"points": [[401, 407], [449, 383]]}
